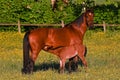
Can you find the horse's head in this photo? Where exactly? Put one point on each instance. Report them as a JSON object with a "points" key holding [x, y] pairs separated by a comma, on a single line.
{"points": [[89, 15]]}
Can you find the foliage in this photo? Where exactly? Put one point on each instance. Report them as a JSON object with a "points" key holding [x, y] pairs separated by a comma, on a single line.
{"points": [[30, 11], [108, 13], [103, 59], [107, 2]]}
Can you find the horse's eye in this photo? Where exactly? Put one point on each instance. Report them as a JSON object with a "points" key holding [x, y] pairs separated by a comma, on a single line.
{"points": [[90, 14]]}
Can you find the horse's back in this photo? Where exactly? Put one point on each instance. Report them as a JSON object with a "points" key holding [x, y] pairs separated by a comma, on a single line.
{"points": [[60, 37]]}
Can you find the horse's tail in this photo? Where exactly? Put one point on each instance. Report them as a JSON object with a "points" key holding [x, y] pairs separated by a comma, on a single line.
{"points": [[26, 47]]}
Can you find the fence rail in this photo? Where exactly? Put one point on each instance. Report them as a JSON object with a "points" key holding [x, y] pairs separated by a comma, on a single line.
{"points": [[112, 25], [11, 24], [62, 24]]}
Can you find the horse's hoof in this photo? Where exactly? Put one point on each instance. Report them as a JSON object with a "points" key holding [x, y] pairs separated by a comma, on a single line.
{"points": [[61, 72], [70, 72], [25, 71]]}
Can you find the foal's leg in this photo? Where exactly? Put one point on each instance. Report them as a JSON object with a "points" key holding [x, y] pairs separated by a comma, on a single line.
{"points": [[62, 65], [73, 62], [81, 52]]}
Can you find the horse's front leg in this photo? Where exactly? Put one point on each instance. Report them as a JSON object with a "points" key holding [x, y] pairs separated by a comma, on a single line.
{"points": [[73, 64], [69, 65], [62, 65]]}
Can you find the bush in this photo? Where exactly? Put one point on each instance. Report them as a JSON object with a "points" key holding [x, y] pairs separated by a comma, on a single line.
{"points": [[108, 13], [30, 11]]}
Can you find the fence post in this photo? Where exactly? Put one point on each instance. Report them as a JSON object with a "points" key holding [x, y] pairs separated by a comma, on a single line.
{"points": [[62, 23], [19, 28], [104, 26]]}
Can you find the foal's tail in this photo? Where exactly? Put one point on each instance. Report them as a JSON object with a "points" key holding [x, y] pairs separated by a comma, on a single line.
{"points": [[26, 47], [85, 51]]}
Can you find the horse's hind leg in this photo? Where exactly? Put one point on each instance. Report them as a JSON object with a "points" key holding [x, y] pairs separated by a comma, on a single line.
{"points": [[28, 66], [33, 57]]}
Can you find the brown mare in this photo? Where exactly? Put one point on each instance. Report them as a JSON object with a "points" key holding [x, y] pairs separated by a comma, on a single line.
{"points": [[67, 40]]}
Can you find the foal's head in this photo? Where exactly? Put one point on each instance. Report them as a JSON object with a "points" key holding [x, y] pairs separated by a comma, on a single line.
{"points": [[89, 16]]}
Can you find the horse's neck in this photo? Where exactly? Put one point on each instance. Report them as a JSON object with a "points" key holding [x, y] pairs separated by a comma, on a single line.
{"points": [[83, 28]]}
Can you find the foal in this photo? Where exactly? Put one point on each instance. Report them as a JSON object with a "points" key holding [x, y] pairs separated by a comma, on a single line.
{"points": [[68, 52]]}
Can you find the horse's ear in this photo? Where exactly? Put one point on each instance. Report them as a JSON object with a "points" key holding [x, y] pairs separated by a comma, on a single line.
{"points": [[90, 10]]}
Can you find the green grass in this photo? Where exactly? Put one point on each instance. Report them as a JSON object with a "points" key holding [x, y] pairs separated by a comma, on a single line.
{"points": [[103, 59]]}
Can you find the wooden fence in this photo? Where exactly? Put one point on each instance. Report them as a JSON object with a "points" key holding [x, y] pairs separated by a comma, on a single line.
{"points": [[104, 25]]}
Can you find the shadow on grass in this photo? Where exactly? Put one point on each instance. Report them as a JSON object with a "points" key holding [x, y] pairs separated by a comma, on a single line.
{"points": [[46, 66], [54, 66]]}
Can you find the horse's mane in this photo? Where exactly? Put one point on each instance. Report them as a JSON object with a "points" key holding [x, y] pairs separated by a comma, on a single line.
{"points": [[78, 20]]}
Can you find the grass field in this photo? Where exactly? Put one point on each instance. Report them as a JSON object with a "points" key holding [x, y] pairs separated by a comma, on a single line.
{"points": [[103, 59]]}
